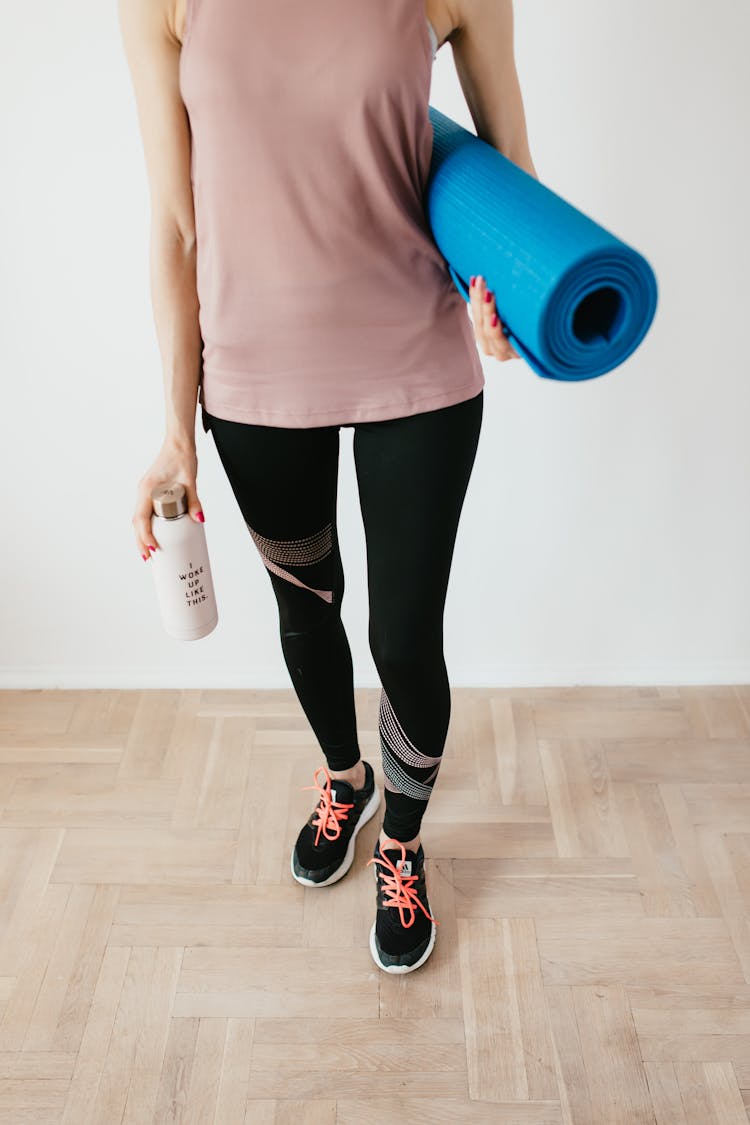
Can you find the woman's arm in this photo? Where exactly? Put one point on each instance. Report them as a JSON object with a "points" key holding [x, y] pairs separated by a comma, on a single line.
{"points": [[153, 55], [482, 42]]}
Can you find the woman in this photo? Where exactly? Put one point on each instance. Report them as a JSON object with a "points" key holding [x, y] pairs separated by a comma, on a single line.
{"points": [[297, 289]]}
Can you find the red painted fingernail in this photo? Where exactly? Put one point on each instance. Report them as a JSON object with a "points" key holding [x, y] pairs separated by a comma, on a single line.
{"points": [[151, 547], [493, 322], [488, 295], [471, 282], [144, 557], [201, 517]]}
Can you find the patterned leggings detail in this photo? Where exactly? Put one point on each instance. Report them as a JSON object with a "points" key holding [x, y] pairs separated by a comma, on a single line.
{"points": [[412, 476]]}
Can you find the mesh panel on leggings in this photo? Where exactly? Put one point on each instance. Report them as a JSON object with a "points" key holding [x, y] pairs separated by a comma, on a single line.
{"points": [[295, 552], [398, 751]]}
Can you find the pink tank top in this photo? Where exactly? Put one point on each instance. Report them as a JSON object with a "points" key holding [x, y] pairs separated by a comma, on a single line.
{"points": [[323, 297]]}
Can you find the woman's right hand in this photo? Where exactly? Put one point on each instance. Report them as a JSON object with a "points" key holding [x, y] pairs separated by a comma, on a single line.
{"points": [[489, 330], [174, 462]]}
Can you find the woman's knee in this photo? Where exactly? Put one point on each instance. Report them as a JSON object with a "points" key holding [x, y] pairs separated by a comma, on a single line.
{"points": [[399, 649], [303, 610]]}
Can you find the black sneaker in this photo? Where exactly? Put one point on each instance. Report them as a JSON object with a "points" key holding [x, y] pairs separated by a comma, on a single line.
{"points": [[403, 933], [324, 850]]}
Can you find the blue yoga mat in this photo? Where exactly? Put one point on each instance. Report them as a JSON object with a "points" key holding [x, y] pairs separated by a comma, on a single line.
{"points": [[575, 300]]}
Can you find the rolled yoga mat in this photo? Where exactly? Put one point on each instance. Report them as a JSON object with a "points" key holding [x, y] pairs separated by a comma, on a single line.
{"points": [[575, 301]]}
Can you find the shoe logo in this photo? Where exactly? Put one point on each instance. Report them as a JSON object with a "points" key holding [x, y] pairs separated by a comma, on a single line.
{"points": [[406, 867], [333, 794]]}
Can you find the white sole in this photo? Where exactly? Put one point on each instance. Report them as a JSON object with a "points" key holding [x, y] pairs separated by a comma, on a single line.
{"points": [[367, 813], [401, 968]]}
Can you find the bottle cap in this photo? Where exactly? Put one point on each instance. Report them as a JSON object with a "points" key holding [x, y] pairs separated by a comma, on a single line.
{"points": [[170, 500]]}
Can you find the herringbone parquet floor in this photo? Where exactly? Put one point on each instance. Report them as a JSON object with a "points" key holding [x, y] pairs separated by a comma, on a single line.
{"points": [[588, 858]]}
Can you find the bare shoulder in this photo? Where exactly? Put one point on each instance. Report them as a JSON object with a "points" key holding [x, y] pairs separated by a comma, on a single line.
{"points": [[139, 18]]}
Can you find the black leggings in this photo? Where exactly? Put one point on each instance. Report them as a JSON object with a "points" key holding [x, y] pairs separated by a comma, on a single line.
{"points": [[412, 475]]}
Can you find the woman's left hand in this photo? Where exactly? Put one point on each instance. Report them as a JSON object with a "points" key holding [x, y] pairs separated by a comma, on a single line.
{"points": [[488, 328]]}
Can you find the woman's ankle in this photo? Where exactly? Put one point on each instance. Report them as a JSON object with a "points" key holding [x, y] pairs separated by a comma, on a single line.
{"points": [[413, 844], [356, 775]]}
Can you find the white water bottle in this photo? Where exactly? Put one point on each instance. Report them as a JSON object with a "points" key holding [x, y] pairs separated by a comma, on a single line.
{"points": [[181, 567]]}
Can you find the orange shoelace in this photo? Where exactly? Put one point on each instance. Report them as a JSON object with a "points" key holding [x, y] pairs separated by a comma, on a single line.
{"points": [[400, 887], [329, 813]]}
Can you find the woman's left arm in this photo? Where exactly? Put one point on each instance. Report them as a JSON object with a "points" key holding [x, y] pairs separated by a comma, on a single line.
{"points": [[483, 52], [482, 42]]}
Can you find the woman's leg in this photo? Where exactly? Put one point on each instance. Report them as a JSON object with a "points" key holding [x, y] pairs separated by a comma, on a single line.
{"points": [[412, 475], [285, 483]]}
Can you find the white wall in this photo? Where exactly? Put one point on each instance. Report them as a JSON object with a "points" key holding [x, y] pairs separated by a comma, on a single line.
{"points": [[605, 536]]}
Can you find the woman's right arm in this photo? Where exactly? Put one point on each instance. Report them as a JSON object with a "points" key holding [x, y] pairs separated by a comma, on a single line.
{"points": [[153, 50]]}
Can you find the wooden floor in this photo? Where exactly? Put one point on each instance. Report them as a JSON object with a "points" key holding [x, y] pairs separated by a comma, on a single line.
{"points": [[588, 859]]}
